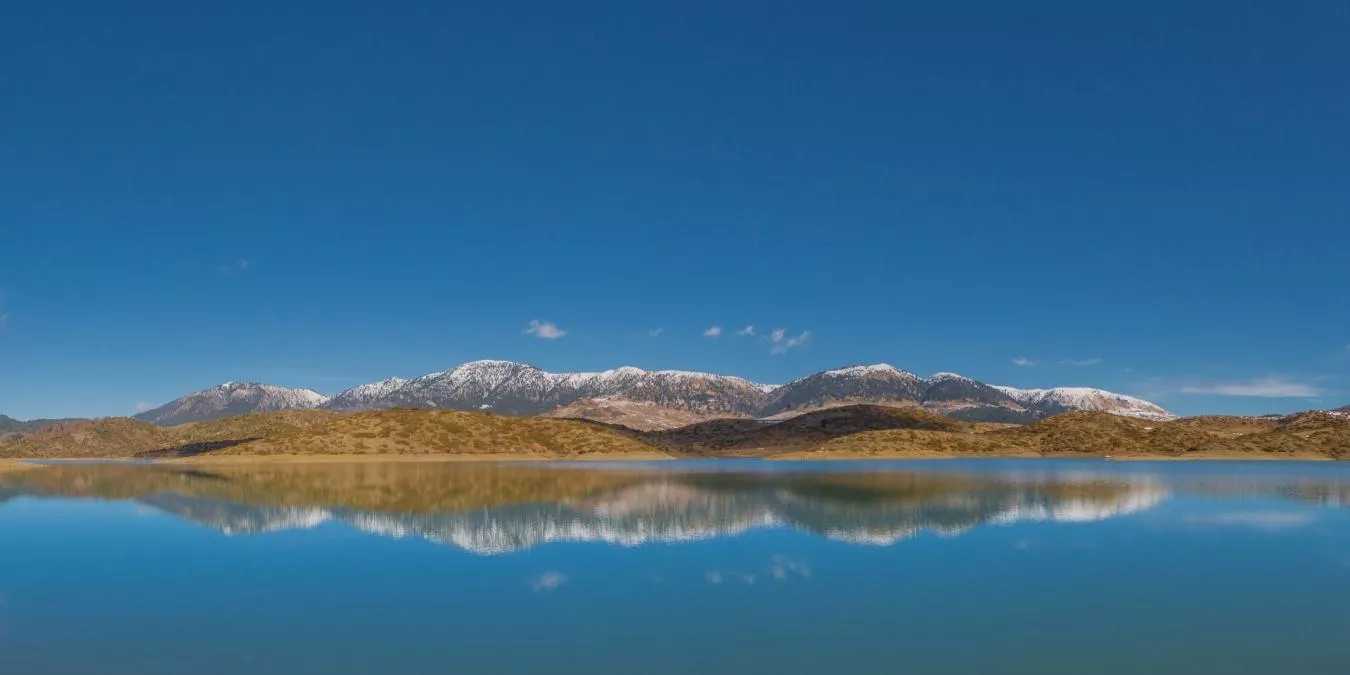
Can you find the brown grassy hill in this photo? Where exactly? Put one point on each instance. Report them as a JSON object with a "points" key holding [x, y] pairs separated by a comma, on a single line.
{"points": [[111, 437], [425, 432], [1094, 434], [750, 437], [122, 437]]}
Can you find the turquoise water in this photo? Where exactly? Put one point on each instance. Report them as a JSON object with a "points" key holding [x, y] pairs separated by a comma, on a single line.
{"points": [[993, 566]]}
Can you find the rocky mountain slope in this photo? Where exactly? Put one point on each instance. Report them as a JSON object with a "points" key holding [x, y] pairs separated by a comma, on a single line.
{"points": [[231, 398], [366, 396], [1068, 399], [662, 399]]}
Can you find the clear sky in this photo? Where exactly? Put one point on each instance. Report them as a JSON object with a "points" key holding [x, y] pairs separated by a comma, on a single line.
{"points": [[1149, 197]]}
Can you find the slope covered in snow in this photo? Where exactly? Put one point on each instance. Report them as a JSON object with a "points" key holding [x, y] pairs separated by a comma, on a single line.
{"points": [[1067, 399], [364, 396], [231, 398]]}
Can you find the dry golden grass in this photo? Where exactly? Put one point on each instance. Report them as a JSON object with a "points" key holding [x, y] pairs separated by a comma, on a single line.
{"points": [[842, 432], [445, 432], [1309, 436], [122, 437], [737, 437]]}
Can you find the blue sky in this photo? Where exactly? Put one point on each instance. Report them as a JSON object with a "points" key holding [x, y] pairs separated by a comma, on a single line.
{"points": [[1145, 197]]}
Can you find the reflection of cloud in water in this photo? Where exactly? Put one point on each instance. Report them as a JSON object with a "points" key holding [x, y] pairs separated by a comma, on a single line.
{"points": [[548, 581], [1271, 521]]}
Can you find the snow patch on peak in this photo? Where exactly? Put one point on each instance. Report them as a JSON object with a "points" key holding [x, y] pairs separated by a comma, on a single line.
{"points": [[1087, 398], [943, 377], [863, 370]]}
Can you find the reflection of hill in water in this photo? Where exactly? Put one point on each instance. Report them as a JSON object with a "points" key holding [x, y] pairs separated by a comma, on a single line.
{"points": [[499, 508]]}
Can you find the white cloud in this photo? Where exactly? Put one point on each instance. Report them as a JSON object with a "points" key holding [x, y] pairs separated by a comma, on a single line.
{"points": [[143, 407], [1263, 387], [655, 332], [713, 332], [714, 577], [782, 343], [748, 331], [4, 319], [548, 581], [544, 330], [1080, 363], [1023, 361]]}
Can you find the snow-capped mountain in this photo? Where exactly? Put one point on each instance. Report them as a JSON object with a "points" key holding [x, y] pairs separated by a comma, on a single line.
{"points": [[1047, 402], [521, 389], [511, 388], [365, 396], [231, 398], [878, 383]]}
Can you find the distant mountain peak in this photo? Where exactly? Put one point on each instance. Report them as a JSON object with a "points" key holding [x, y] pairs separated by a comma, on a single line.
{"points": [[941, 377], [1066, 399], [863, 370], [231, 398]]}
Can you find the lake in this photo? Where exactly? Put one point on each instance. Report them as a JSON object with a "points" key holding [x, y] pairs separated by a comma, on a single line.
{"points": [[980, 566]]}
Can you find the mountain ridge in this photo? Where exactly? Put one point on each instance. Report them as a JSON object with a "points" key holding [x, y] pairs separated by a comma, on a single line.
{"points": [[663, 398]]}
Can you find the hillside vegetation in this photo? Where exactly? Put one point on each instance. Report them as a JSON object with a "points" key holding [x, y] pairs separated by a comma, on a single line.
{"points": [[1302, 436], [859, 431], [426, 432], [739, 437]]}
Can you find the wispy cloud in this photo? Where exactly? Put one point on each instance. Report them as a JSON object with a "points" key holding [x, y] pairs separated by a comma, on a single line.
{"points": [[1075, 362], [782, 343], [544, 330], [655, 332], [713, 332], [548, 581], [1263, 387], [4, 320], [1080, 363], [748, 331], [237, 267], [143, 407]]}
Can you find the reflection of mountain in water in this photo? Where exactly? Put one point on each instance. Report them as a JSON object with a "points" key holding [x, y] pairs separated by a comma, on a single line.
{"points": [[498, 509], [233, 518]]}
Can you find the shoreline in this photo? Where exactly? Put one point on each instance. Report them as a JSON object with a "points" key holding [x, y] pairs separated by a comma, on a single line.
{"points": [[413, 459], [21, 464]]}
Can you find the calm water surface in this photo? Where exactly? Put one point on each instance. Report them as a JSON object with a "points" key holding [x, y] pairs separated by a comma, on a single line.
{"points": [[1018, 566]]}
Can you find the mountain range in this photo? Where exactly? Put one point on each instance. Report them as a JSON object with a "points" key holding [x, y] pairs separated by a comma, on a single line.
{"points": [[661, 399]]}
